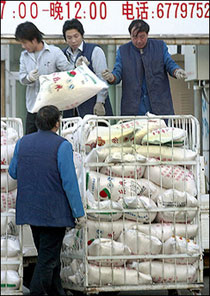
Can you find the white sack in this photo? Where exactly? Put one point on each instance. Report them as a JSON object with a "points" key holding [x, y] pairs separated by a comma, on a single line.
{"points": [[92, 204], [167, 273], [106, 229], [120, 276], [141, 127], [102, 135], [7, 183], [181, 245], [67, 90], [10, 279], [139, 202], [140, 243], [108, 247], [77, 163], [166, 153], [10, 265], [8, 225], [8, 136], [99, 154], [105, 187], [124, 165], [8, 200], [167, 135], [7, 153], [3, 124], [163, 231], [10, 246], [176, 199], [171, 176]]}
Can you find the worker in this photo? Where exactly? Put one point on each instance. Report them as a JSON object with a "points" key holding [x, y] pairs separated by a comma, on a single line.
{"points": [[48, 197], [37, 59], [92, 55], [142, 64]]}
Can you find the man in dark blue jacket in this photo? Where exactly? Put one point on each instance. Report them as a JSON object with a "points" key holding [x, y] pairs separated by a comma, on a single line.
{"points": [[143, 65], [48, 197], [79, 51]]}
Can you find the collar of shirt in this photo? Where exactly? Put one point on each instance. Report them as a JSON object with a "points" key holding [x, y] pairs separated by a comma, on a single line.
{"points": [[73, 55], [45, 47]]}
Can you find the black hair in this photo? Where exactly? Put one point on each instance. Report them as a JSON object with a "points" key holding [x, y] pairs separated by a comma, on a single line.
{"points": [[47, 117], [28, 31], [73, 24], [139, 26]]}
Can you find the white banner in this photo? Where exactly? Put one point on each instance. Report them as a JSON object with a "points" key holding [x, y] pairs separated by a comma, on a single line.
{"points": [[108, 17]]}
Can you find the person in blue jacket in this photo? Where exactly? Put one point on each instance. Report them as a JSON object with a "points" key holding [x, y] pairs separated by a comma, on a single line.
{"points": [[79, 51], [48, 197], [143, 65]]}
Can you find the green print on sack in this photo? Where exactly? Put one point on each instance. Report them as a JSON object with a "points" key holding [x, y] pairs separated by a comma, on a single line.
{"points": [[105, 193]]}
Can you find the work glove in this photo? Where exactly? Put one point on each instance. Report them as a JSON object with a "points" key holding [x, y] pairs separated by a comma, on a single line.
{"points": [[107, 75], [99, 109], [80, 222], [80, 60], [33, 75], [180, 74]]}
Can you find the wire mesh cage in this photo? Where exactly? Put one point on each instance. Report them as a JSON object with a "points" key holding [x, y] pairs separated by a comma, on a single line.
{"points": [[139, 181], [11, 234]]}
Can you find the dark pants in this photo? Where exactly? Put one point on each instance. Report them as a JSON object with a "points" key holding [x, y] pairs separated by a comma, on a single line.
{"points": [[46, 277], [31, 123]]}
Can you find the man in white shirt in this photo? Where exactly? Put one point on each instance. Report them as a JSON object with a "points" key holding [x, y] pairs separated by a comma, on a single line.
{"points": [[79, 51], [37, 59]]}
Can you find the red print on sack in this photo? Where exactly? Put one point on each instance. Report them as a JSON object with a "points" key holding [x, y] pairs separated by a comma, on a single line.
{"points": [[58, 87]]}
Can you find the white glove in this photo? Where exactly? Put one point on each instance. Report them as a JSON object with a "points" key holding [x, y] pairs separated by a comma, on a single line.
{"points": [[80, 60], [107, 75], [180, 74], [33, 75], [80, 222], [99, 109]]}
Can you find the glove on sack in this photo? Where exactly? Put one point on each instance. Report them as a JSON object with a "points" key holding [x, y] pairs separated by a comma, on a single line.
{"points": [[180, 74], [33, 75], [107, 75], [80, 60], [99, 109], [80, 222]]}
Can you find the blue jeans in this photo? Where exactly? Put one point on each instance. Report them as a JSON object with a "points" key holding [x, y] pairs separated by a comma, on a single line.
{"points": [[46, 277]]}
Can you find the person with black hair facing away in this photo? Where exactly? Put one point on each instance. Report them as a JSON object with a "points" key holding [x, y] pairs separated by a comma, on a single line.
{"points": [[37, 59], [92, 55], [143, 65], [48, 196]]}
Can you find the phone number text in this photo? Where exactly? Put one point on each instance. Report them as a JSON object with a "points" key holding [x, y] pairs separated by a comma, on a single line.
{"points": [[99, 10]]}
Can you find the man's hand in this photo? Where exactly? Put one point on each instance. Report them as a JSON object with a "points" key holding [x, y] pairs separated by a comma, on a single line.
{"points": [[80, 222], [99, 109], [107, 75], [180, 74], [80, 60], [33, 75]]}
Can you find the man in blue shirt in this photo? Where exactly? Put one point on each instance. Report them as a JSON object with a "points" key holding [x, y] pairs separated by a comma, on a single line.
{"points": [[48, 197], [142, 65]]}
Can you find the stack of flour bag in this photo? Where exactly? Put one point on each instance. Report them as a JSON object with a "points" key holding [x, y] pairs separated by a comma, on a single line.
{"points": [[139, 188], [10, 242]]}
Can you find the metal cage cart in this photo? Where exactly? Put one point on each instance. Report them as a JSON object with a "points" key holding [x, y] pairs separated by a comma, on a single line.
{"points": [[11, 234], [139, 178]]}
